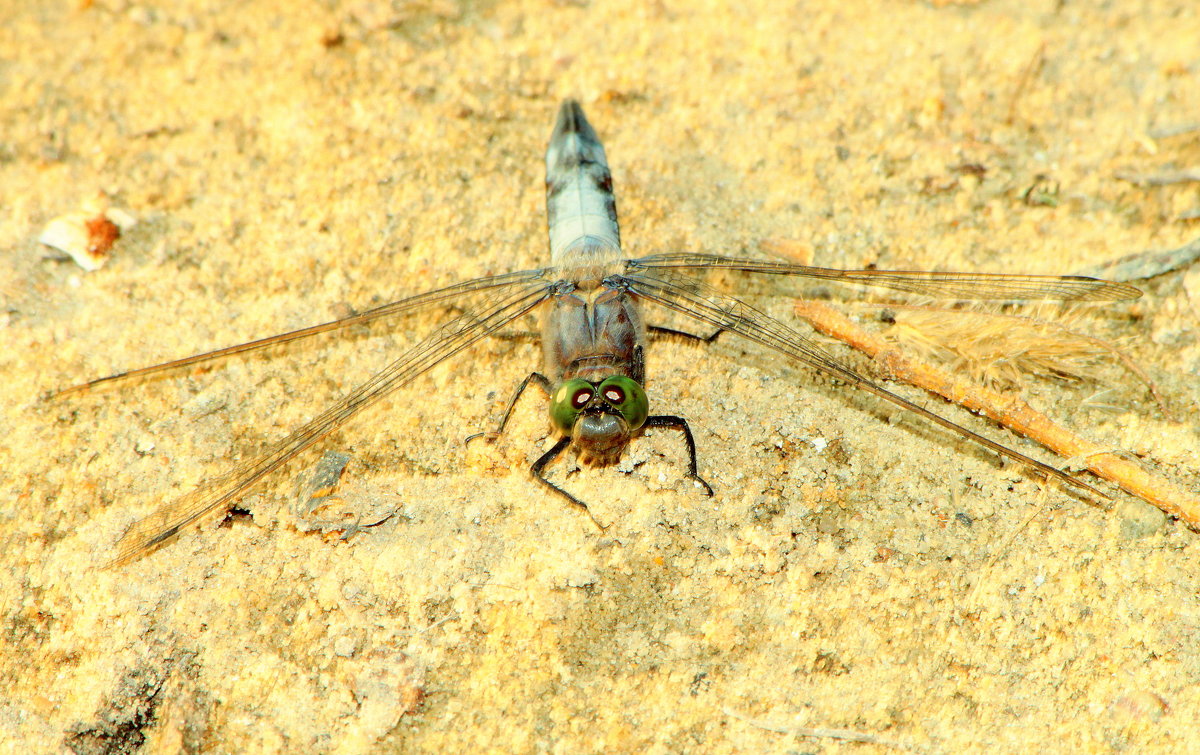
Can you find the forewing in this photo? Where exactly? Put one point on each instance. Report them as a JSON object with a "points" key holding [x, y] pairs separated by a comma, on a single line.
{"points": [[442, 297], [971, 286]]}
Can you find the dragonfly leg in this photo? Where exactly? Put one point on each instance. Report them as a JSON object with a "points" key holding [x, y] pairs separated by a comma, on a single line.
{"points": [[661, 332], [546, 458], [679, 423], [533, 377]]}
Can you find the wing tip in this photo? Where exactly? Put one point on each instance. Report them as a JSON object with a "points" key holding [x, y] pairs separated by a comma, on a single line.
{"points": [[138, 541]]}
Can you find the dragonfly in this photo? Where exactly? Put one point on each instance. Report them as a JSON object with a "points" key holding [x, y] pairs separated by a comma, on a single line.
{"points": [[594, 335]]}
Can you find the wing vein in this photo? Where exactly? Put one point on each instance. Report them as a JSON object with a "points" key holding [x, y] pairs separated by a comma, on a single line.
{"points": [[701, 302], [408, 305], [160, 527], [976, 286]]}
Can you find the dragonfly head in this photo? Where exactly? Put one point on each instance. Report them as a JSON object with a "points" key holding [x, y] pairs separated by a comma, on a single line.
{"points": [[599, 417]]}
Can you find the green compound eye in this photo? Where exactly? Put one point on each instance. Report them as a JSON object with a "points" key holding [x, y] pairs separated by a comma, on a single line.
{"points": [[627, 397], [568, 401]]}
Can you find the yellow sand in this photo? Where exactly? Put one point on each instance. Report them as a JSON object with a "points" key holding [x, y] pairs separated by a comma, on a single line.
{"points": [[287, 161]]}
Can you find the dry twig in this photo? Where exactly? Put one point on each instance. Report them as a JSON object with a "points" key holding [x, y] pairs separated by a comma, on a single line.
{"points": [[1009, 411], [846, 735], [1031, 69]]}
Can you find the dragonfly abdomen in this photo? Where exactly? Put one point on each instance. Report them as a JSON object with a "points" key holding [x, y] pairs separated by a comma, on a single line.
{"points": [[580, 206]]}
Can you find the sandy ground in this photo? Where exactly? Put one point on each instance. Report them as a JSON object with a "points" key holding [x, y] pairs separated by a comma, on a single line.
{"points": [[288, 163]]}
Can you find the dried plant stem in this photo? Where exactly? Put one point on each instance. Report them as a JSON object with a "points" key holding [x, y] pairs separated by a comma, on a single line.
{"points": [[847, 735], [1009, 411], [1031, 68], [1123, 358]]}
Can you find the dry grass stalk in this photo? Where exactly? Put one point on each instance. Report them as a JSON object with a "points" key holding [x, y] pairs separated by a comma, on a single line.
{"points": [[1009, 411], [991, 354]]}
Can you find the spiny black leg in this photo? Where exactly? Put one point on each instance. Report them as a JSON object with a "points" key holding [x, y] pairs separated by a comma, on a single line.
{"points": [[546, 458], [661, 332], [679, 423], [533, 377]]}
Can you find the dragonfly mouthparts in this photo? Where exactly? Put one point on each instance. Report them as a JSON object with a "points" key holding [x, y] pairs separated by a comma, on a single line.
{"points": [[600, 436]]}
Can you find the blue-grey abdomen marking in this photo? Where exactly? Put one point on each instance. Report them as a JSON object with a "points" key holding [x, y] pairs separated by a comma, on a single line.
{"points": [[580, 206]]}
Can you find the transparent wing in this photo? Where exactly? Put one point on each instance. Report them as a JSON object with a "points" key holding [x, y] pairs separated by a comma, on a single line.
{"points": [[703, 303], [942, 285], [500, 309], [412, 304]]}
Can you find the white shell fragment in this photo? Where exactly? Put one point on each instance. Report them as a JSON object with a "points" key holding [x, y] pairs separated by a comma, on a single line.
{"points": [[87, 235]]}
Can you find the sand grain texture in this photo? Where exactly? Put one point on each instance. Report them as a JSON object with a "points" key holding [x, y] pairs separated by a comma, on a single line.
{"points": [[288, 161]]}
